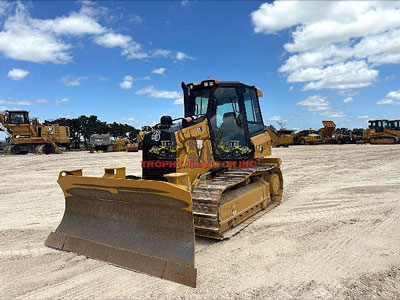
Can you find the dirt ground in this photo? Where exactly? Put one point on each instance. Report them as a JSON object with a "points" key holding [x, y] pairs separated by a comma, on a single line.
{"points": [[336, 233]]}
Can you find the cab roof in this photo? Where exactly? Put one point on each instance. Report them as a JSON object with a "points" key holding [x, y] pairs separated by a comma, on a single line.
{"points": [[16, 110], [226, 83]]}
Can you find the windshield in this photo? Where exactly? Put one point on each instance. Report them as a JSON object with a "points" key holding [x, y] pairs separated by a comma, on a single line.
{"points": [[227, 125], [19, 118]]}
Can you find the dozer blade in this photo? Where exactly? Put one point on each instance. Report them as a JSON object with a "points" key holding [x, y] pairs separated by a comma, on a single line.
{"points": [[138, 224]]}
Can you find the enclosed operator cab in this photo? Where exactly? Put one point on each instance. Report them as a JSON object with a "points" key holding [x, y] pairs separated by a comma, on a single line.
{"points": [[233, 111], [378, 125], [17, 117]]}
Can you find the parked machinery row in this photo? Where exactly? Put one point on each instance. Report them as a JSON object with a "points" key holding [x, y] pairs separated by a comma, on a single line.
{"points": [[378, 132]]}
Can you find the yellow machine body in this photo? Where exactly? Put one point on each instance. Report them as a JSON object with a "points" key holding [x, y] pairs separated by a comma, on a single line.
{"points": [[149, 225], [283, 138], [382, 132], [121, 144], [27, 135]]}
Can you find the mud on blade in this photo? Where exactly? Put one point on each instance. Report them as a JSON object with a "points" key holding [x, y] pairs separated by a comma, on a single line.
{"points": [[141, 225]]}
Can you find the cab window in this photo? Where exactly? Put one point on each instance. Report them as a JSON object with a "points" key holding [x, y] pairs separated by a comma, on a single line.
{"points": [[200, 102], [253, 112], [19, 118], [227, 124]]}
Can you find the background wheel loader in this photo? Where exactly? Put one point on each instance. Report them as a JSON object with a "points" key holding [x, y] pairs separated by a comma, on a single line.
{"points": [[29, 136], [205, 174]]}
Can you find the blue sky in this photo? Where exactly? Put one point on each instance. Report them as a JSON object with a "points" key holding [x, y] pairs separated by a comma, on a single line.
{"points": [[124, 60]]}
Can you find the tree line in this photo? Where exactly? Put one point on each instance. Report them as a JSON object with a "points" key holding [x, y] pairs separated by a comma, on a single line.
{"points": [[83, 127]]}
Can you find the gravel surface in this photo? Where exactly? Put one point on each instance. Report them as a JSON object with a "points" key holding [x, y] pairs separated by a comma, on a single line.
{"points": [[336, 233]]}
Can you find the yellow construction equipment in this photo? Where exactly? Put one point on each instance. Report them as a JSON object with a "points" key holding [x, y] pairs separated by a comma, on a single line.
{"points": [[100, 143], [307, 137], [382, 132], [280, 138], [121, 144], [29, 136], [140, 136], [206, 174], [327, 132], [133, 147]]}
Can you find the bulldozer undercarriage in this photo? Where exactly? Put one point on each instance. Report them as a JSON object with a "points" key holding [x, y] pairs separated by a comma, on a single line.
{"points": [[30, 148], [227, 200], [383, 139]]}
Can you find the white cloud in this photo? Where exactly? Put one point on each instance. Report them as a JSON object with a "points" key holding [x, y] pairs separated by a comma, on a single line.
{"points": [[348, 100], [23, 102], [394, 95], [160, 53], [127, 82], [128, 119], [159, 71], [184, 2], [17, 74], [111, 40], [3, 7], [353, 74], [330, 35], [183, 56], [391, 98], [362, 117], [70, 80], [102, 78], [152, 92], [319, 104], [291, 88], [136, 19], [130, 48], [385, 101], [44, 40], [75, 24], [21, 40], [178, 101], [62, 101], [315, 103]]}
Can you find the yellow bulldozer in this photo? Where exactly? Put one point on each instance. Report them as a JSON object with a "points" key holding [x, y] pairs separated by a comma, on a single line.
{"points": [[382, 132], [206, 174], [29, 136]]}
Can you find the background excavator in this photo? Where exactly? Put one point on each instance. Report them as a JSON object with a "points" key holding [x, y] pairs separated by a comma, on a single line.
{"points": [[29, 136], [205, 174]]}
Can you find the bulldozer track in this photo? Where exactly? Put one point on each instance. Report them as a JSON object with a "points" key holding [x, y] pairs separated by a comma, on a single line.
{"points": [[207, 197]]}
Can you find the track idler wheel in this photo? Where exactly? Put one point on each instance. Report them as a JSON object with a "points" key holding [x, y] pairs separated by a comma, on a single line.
{"points": [[274, 183]]}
